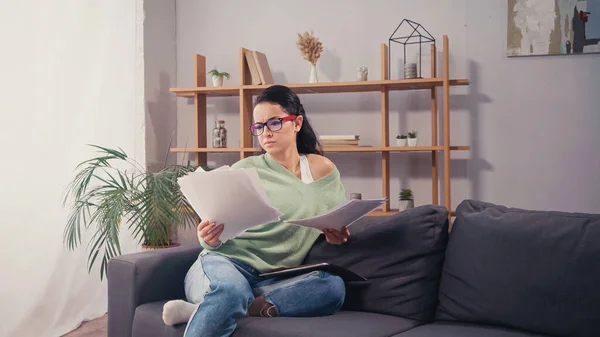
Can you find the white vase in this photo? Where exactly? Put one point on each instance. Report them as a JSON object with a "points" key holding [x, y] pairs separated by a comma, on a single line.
{"points": [[401, 142], [406, 204], [313, 74], [412, 141], [217, 81]]}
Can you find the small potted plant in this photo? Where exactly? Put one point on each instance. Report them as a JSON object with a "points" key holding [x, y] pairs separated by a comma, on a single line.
{"points": [[412, 138], [406, 199], [217, 77], [401, 140]]}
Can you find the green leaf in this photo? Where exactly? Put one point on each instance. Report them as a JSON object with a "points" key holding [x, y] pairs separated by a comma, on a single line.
{"points": [[111, 189]]}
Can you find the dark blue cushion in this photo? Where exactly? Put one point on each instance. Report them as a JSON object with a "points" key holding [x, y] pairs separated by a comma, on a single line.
{"points": [[455, 329], [401, 255], [538, 271]]}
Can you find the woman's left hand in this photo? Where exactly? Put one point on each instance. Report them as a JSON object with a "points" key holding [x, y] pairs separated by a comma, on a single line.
{"points": [[336, 237]]}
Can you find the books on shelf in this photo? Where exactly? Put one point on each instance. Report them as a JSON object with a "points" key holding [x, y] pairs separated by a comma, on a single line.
{"points": [[260, 72], [339, 140]]}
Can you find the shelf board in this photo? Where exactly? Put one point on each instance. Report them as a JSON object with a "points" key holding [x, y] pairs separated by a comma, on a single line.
{"points": [[327, 87], [208, 91], [380, 212], [381, 149], [206, 150], [460, 148], [329, 149]]}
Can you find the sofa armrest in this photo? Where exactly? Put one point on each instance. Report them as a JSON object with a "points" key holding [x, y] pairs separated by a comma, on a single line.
{"points": [[138, 278]]}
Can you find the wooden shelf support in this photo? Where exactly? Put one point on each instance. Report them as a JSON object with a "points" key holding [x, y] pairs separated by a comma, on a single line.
{"points": [[385, 129], [435, 198], [446, 117], [200, 107]]}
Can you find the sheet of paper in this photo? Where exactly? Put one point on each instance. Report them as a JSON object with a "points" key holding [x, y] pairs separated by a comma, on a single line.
{"points": [[343, 215], [234, 198]]}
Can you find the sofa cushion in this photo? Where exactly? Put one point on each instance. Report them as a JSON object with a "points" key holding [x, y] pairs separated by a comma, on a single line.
{"points": [[148, 322], [454, 329], [530, 270], [342, 324], [401, 255]]}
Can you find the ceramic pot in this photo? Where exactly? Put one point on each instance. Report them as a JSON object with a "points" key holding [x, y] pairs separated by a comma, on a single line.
{"points": [[401, 142], [217, 81], [171, 245], [406, 204]]}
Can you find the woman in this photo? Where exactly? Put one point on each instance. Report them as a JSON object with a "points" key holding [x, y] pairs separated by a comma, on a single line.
{"points": [[223, 284]]}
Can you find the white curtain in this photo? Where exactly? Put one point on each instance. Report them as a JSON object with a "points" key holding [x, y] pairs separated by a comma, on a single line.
{"points": [[71, 74]]}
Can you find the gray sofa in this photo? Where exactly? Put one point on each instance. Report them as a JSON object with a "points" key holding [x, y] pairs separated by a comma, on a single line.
{"points": [[502, 272]]}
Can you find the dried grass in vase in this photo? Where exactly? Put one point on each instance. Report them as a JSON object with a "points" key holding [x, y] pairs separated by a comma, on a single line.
{"points": [[310, 47]]}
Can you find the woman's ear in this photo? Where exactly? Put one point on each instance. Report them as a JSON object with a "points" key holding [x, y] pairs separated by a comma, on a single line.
{"points": [[298, 123]]}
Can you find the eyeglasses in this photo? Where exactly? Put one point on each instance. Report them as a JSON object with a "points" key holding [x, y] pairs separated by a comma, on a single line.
{"points": [[273, 124]]}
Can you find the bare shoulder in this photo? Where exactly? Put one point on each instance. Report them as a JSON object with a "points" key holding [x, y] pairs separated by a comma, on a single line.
{"points": [[320, 166]]}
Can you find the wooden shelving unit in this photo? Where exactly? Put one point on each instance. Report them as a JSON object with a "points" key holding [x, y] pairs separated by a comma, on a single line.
{"points": [[323, 88], [200, 92]]}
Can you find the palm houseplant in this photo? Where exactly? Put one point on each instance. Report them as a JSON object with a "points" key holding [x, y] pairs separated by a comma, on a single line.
{"points": [[217, 77], [111, 191]]}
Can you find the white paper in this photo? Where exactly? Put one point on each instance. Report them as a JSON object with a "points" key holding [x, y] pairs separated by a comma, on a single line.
{"points": [[341, 216], [234, 198]]}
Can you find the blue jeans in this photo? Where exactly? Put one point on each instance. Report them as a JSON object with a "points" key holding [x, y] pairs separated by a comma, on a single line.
{"points": [[224, 288]]}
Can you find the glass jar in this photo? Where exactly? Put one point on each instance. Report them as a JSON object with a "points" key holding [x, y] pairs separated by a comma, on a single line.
{"points": [[219, 134], [216, 140], [222, 133]]}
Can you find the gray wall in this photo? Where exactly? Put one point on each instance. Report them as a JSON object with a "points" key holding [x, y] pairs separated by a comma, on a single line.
{"points": [[531, 122], [160, 71]]}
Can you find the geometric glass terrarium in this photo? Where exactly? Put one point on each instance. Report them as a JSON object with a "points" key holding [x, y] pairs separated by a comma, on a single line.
{"points": [[409, 33]]}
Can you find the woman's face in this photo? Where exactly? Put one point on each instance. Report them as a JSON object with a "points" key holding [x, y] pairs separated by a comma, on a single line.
{"points": [[271, 139]]}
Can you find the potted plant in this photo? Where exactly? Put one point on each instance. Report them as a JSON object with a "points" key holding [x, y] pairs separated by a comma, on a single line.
{"points": [[111, 191], [311, 48], [217, 77], [401, 140], [412, 138], [406, 199]]}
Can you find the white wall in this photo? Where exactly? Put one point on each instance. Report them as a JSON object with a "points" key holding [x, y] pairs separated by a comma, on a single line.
{"points": [[160, 74], [160, 64], [534, 120], [499, 115], [72, 74]]}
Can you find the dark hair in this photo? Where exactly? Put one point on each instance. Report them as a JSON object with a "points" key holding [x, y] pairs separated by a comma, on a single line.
{"points": [[306, 139]]}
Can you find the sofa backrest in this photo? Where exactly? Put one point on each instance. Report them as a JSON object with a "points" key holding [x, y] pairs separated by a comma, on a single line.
{"points": [[532, 270], [401, 256]]}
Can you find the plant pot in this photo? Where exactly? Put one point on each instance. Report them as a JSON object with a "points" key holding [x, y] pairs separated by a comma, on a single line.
{"points": [[171, 245], [217, 81], [412, 141], [401, 142], [406, 204]]}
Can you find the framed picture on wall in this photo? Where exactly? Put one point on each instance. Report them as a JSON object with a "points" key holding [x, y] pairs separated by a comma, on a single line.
{"points": [[553, 27]]}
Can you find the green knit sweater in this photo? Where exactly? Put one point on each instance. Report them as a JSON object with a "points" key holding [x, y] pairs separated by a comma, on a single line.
{"points": [[277, 244]]}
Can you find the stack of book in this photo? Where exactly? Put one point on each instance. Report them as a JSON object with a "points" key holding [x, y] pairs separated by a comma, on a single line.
{"points": [[260, 72], [339, 140]]}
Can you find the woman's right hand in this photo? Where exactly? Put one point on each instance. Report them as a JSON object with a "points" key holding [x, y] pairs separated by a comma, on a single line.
{"points": [[210, 232]]}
